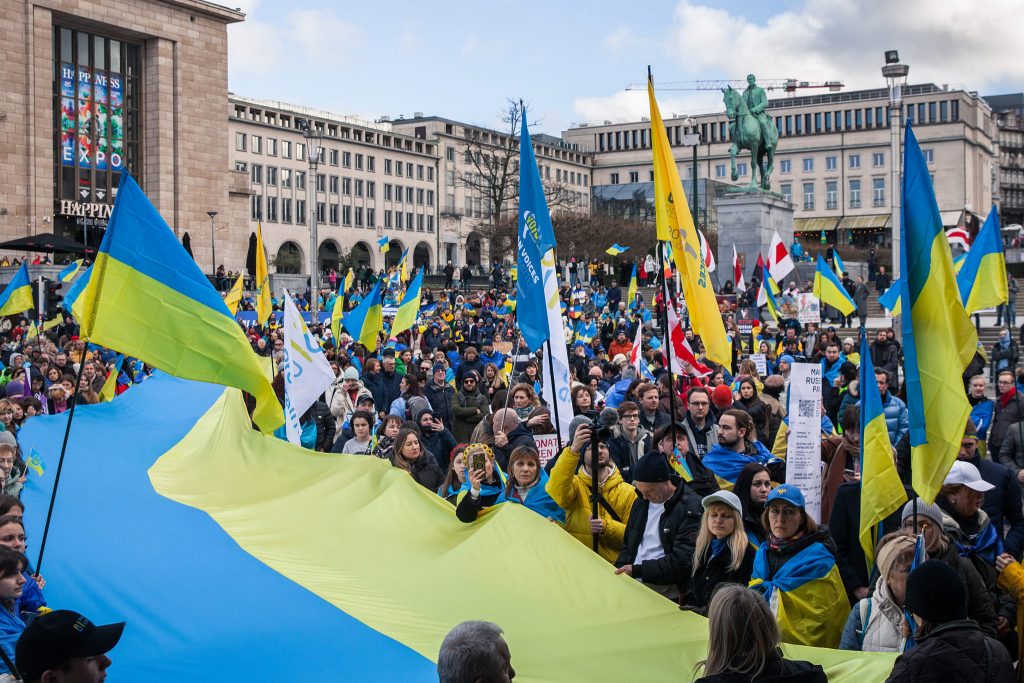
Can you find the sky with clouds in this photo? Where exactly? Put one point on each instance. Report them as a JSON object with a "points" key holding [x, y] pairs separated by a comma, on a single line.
{"points": [[571, 61]]}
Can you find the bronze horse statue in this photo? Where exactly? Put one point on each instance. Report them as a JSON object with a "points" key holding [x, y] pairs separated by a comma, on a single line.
{"points": [[748, 133]]}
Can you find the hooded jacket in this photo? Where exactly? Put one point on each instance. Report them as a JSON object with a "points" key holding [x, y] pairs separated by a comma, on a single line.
{"points": [[571, 491], [954, 652]]}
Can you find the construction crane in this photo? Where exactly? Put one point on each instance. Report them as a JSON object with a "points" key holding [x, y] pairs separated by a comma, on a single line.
{"points": [[788, 85]]}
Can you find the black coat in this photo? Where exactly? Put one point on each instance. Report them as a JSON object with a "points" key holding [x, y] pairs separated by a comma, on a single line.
{"points": [[886, 356], [680, 524], [776, 670], [325, 426], [954, 652], [1003, 418], [440, 398], [425, 472], [844, 526], [621, 452], [713, 571], [520, 436]]}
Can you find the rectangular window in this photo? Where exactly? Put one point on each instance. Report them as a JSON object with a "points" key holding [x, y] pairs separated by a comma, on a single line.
{"points": [[332, 156], [817, 122], [387, 192], [346, 159], [828, 122], [920, 113], [300, 151], [932, 113], [859, 119], [719, 170], [430, 197], [847, 120], [430, 223], [286, 210], [359, 220], [321, 182], [880, 119], [808, 196], [634, 176], [371, 189], [878, 159], [878, 191], [808, 164], [300, 180], [854, 161], [419, 222], [371, 218], [954, 110], [614, 178], [741, 169], [286, 178], [346, 186], [929, 156], [334, 214], [387, 167], [300, 211], [830, 163], [398, 169], [242, 166], [399, 194], [387, 223], [359, 188], [334, 184], [419, 171], [272, 175], [240, 142], [449, 155], [272, 209], [359, 163], [786, 166], [430, 174], [286, 149], [408, 169], [831, 194], [420, 195], [855, 193], [257, 144], [256, 207], [346, 215], [786, 190], [799, 125], [398, 220], [256, 174], [943, 111], [409, 220], [408, 194], [321, 212], [371, 165]]}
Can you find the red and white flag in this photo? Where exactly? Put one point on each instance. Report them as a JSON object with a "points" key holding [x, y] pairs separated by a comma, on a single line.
{"points": [[737, 270], [681, 351], [779, 262], [636, 355], [959, 236], [709, 258]]}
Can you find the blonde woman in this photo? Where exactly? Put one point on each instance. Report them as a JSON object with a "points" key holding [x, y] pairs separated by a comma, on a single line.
{"points": [[723, 553], [743, 643]]}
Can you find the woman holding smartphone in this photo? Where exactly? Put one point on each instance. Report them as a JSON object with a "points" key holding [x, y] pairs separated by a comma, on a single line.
{"points": [[484, 482]]}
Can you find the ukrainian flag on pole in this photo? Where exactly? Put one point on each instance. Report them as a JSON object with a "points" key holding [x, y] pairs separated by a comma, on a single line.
{"points": [[675, 226], [234, 297], [147, 298], [69, 272], [264, 302], [410, 308], [881, 491], [365, 321], [982, 278], [631, 293], [830, 290], [17, 296], [935, 392]]}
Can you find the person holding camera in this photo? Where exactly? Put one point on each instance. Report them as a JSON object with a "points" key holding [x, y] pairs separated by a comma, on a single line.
{"points": [[571, 491], [438, 440], [661, 534]]}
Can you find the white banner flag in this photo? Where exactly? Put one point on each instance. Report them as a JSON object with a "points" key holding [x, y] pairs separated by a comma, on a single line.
{"points": [[803, 450], [557, 388], [306, 371]]}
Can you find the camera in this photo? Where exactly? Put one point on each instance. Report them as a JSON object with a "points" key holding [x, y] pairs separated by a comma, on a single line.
{"points": [[603, 427]]}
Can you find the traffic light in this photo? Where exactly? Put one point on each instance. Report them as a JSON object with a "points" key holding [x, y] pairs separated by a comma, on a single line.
{"points": [[53, 296]]}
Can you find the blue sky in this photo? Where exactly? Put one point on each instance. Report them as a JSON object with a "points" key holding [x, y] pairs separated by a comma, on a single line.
{"points": [[571, 61]]}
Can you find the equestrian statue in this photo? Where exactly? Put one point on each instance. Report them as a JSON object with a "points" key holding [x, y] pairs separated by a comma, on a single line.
{"points": [[751, 128]]}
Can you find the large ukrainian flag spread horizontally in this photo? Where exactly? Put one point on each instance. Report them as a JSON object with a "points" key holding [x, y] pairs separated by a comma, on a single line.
{"points": [[236, 556], [147, 298]]}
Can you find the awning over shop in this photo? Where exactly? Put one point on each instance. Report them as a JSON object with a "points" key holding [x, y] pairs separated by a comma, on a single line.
{"points": [[870, 222], [951, 219], [828, 224]]}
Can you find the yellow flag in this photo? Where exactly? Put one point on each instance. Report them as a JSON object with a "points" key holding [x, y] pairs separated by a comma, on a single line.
{"points": [[234, 297], [349, 278], [52, 322], [33, 331], [675, 226], [264, 307]]}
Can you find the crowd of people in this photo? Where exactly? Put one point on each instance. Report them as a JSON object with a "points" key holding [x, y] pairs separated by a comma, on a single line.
{"points": [[691, 468]]}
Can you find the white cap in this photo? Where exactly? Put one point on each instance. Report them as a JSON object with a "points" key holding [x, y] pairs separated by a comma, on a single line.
{"points": [[968, 475], [725, 498]]}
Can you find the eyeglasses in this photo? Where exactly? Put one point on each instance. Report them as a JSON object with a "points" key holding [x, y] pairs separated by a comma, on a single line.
{"points": [[700, 404], [631, 416]]}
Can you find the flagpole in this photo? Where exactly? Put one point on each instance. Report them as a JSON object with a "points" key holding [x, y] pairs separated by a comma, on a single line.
{"points": [[668, 343], [554, 398], [60, 461]]}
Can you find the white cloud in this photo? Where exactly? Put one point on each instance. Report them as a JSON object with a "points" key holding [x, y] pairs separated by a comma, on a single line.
{"points": [[958, 42], [620, 41], [321, 35], [253, 45]]}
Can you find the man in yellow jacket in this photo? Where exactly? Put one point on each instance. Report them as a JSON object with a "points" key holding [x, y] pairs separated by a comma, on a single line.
{"points": [[571, 490]]}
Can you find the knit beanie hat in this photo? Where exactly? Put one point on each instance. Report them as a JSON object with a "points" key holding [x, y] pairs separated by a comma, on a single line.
{"points": [[652, 468], [936, 594], [931, 512], [575, 424], [721, 396]]}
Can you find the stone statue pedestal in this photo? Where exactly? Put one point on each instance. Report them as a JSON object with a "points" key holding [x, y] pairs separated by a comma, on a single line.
{"points": [[748, 220]]}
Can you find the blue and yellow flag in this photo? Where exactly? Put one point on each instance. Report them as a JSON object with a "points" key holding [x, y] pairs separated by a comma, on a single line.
{"points": [[766, 295], [35, 463], [17, 296], [935, 392], [616, 249], [891, 298], [264, 295], [383, 244], [536, 238], [410, 308], [74, 291], [147, 298], [631, 292], [337, 312], [982, 278], [830, 290], [838, 264], [365, 321], [881, 491], [806, 595], [69, 272], [234, 297], [350, 277], [109, 389]]}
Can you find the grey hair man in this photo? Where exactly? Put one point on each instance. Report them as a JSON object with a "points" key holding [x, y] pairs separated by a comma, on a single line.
{"points": [[475, 652]]}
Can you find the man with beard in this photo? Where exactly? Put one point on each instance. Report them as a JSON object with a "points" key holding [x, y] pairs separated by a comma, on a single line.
{"points": [[737, 447]]}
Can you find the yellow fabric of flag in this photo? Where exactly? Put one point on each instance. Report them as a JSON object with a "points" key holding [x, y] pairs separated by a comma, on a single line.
{"points": [[234, 297], [675, 226], [264, 305]]}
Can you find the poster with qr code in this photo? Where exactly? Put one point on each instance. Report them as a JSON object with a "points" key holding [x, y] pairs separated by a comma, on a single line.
{"points": [[803, 445]]}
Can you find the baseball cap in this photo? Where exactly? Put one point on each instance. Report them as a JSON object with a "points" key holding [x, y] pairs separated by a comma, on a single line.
{"points": [[788, 493], [968, 475], [725, 498], [56, 637]]}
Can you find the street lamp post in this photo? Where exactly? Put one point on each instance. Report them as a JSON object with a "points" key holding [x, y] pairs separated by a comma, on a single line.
{"points": [[313, 138], [693, 140], [896, 77], [213, 244]]}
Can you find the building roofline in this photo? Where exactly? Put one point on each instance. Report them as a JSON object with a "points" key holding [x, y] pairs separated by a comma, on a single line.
{"points": [[213, 9]]}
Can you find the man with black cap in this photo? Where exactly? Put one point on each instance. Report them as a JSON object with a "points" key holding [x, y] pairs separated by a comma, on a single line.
{"points": [[440, 394], [661, 533], [65, 647], [948, 645]]}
